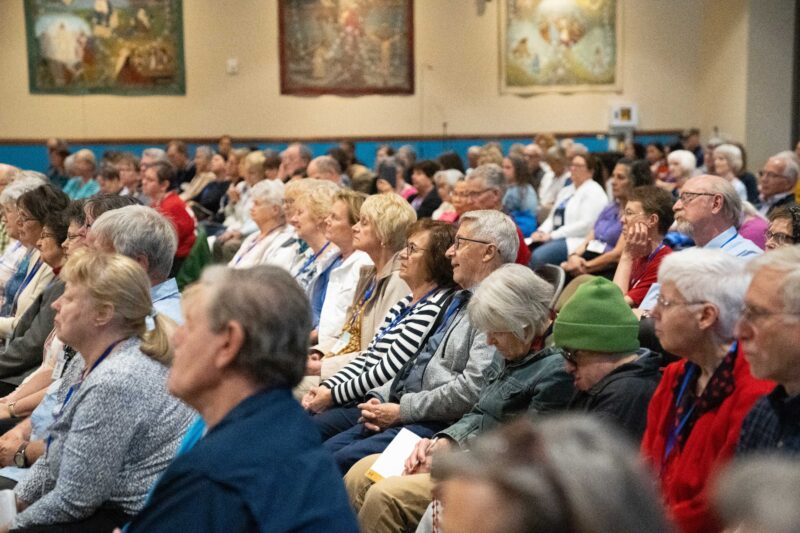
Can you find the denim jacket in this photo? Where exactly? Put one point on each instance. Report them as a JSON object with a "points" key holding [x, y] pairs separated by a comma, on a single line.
{"points": [[535, 384]]}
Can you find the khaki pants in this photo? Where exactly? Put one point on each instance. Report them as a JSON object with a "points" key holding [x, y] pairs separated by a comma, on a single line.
{"points": [[394, 504]]}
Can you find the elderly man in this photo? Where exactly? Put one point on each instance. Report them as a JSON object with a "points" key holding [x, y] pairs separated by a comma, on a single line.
{"points": [[185, 169], [776, 183], [151, 156], [260, 466], [485, 188], [442, 382], [294, 161], [325, 168], [538, 168], [769, 330]]}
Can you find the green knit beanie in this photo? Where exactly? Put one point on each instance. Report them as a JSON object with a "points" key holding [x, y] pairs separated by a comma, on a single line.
{"points": [[597, 319]]}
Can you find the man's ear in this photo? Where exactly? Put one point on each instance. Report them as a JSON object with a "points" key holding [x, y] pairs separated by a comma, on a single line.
{"points": [[233, 341], [143, 262], [490, 253]]}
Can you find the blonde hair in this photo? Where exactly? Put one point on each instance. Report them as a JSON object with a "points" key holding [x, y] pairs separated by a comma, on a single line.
{"points": [[353, 200], [255, 161], [318, 198], [116, 280], [391, 215]]}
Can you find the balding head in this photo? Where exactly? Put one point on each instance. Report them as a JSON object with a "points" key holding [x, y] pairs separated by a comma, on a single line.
{"points": [[707, 206]]}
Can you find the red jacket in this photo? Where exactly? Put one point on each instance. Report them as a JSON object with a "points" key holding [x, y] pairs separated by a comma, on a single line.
{"points": [[172, 207], [523, 252], [709, 446]]}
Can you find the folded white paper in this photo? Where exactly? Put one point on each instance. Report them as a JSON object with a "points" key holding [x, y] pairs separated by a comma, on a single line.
{"points": [[393, 459]]}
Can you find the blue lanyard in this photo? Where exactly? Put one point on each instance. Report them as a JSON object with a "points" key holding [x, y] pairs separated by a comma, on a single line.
{"points": [[254, 244], [25, 283], [454, 307], [729, 240], [400, 316], [635, 281], [311, 260], [363, 301], [75, 386]]}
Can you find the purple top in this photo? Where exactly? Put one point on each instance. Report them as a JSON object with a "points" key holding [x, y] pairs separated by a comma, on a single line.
{"points": [[608, 226], [754, 230]]}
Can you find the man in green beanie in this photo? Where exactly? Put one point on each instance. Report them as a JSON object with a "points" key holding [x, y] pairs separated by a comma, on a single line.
{"points": [[598, 334]]}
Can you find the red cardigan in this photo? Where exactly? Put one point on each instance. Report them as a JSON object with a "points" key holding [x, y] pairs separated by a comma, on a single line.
{"points": [[172, 207], [709, 446]]}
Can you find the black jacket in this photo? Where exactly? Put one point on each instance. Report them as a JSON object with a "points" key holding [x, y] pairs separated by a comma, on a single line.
{"points": [[624, 395], [430, 204]]}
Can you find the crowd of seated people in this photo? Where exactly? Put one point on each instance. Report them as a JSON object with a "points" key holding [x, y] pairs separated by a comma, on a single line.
{"points": [[145, 388]]}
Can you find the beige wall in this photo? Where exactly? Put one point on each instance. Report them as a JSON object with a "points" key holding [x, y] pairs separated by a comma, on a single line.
{"points": [[671, 70]]}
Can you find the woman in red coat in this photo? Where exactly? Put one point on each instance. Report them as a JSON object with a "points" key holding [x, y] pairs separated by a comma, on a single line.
{"points": [[696, 413]]}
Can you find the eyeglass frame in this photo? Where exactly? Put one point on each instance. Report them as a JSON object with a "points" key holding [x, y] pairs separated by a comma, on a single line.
{"points": [[409, 251], [457, 241], [471, 194], [784, 238], [747, 314], [768, 174], [686, 197], [665, 304]]}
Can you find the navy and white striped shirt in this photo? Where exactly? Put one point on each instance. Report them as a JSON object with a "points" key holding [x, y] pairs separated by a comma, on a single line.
{"points": [[390, 349]]}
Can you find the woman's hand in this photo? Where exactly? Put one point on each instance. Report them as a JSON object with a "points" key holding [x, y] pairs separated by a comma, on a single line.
{"points": [[233, 194], [637, 240], [540, 236], [313, 365], [574, 265], [5, 411], [378, 416], [9, 444], [318, 399]]}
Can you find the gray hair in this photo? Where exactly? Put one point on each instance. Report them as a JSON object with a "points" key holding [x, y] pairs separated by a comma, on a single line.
{"points": [[303, 151], [685, 159], [709, 276], [156, 154], [565, 472], [136, 231], [205, 150], [785, 260], [759, 493], [492, 176], [731, 202], [86, 155], [18, 187], [512, 298], [274, 313], [449, 177], [495, 227], [790, 167], [327, 165], [732, 154], [271, 191]]}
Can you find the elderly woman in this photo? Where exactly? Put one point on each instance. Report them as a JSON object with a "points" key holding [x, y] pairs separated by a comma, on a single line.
{"points": [[601, 250], [682, 165], [567, 474], [512, 307], [344, 214], [520, 200], [576, 209], [646, 220], [83, 185], [784, 227], [445, 181], [32, 208], [237, 221], [102, 314], [242, 349], [728, 164], [695, 415], [429, 274], [273, 243]]}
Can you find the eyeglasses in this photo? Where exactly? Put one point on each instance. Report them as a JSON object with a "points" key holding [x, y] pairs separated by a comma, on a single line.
{"points": [[666, 304], [627, 213], [72, 236], [412, 248], [469, 194], [779, 237], [686, 197], [26, 218], [47, 235], [753, 314], [570, 355], [768, 175], [459, 240]]}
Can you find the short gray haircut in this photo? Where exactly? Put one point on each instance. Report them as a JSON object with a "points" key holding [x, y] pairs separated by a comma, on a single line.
{"points": [[790, 167], [86, 155], [685, 159], [709, 276], [448, 177], [512, 298], [495, 227], [565, 472], [327, 164], [271, 191], [274, 313], [785, 260], [731, 202], [732, 154], [136, 231], [18, 187], [205, 150], [759, 493], [492, 176], [156, 154], [303, 150]]}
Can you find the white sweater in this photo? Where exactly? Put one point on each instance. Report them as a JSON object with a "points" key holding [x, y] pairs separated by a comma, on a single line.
{"points": [[583, 206]]}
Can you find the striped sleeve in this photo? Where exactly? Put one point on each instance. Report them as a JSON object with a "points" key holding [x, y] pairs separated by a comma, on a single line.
{"points": [[388, 355]]}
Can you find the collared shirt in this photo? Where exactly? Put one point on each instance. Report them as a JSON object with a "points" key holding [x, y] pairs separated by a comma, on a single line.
{"points": [[730, 242], [767, 204], [772, 424], [167, 300]]}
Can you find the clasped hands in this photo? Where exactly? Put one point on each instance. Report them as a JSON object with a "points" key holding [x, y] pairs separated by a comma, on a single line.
{"points": [[419, 462], [377, 416]]}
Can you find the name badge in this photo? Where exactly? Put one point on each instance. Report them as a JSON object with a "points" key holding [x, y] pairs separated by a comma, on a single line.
{"points": [[58, 369], [342, 343], [596, 246], [558, 219]]}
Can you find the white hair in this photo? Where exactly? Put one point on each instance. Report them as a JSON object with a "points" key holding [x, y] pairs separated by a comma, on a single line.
{"points": [[449, 177], [709, 276], [685, 159], [156, 154], [512, 298], [495, 227], [18, 187], [492, 176], [790, 167], [785, 260], [732, 154], [271, 191]]}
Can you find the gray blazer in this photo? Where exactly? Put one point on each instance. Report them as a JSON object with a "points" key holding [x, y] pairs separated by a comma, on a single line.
{"points": [[453, 379]]}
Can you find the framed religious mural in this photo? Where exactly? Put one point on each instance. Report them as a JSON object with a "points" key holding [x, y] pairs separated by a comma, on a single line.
{"points": [[126, 47], [560, 46], [346, 47]]}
